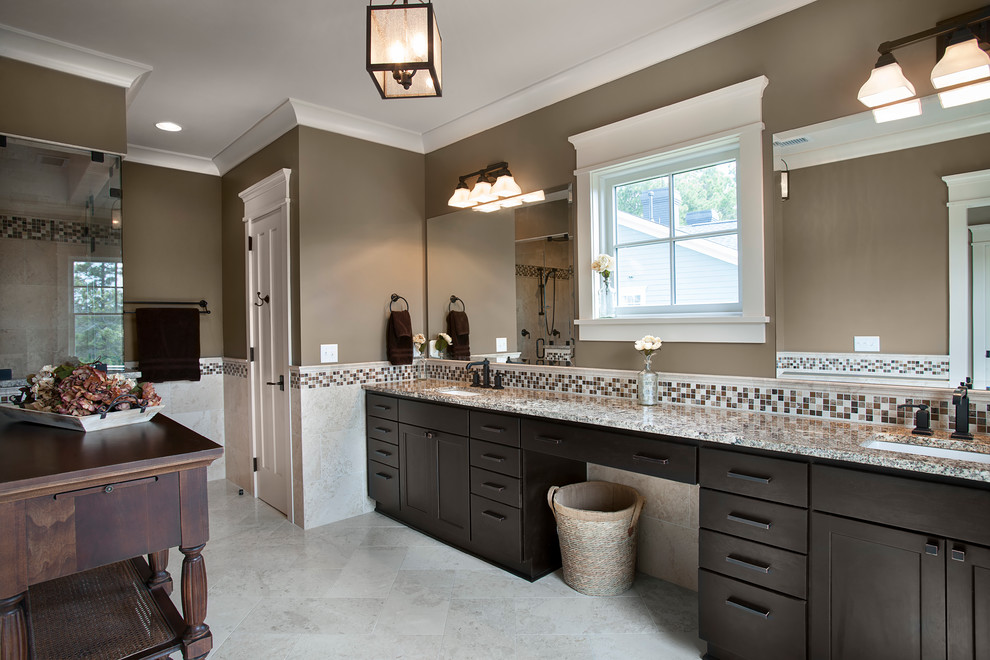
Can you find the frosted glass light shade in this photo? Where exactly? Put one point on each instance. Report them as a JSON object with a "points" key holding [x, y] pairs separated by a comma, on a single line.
{"points": [[482, 192], [897, 111], [950, 98], [887, 84], [961, 63], [461, 198], [506, 186]]}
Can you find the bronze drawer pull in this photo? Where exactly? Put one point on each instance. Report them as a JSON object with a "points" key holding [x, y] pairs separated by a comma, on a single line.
{"points": [[493, 429], [651, 459], [548, 438], [381, 407], [759, 568], [748, 521], [382, 429], [496, 487], [494, 457], [384, 476], [107, 488], [383, 452], [731, 474], [491, 514], [748, 608]]}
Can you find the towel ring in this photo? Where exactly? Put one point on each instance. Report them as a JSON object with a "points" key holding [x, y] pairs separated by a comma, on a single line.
{"points": [[396, 297], [454, 299]]}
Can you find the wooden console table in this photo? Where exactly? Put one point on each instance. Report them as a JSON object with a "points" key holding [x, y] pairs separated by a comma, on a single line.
{"points": [[72, 501]]}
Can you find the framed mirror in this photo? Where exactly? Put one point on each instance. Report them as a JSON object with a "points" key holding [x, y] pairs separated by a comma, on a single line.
{"points": [[61, 276]]}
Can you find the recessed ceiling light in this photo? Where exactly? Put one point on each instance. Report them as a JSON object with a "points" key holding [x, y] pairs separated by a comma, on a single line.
{"points": [[172, 127]]}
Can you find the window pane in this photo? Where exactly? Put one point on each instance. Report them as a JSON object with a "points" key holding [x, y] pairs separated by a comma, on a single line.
{"points": [[707, 199], [87, 273], [642, 275], [707, 270], [99, 336], [120, 274], [643, 206]]}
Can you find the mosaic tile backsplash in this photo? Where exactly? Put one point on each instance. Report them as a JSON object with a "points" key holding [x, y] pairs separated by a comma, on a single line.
{"points": [[922, 366], [59, 231]]}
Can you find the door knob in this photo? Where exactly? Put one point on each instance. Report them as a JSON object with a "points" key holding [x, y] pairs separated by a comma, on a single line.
{"points": [[280, 383]]}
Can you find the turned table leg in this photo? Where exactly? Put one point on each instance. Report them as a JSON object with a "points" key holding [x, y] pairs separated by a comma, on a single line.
{"points": [[158, 562], [13, 629], [197, 640]]}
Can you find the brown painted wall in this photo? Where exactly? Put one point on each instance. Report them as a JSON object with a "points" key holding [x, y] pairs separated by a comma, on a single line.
{"points": [[50, 105], [283, 152], [816, 58], [865, 250], [361, 238], [171, 244]]}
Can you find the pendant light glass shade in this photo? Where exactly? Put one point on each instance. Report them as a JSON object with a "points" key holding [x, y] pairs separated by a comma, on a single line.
{"points": [[461, 197], [506, 186], [887, 84], [404, 50], [962, 62]]}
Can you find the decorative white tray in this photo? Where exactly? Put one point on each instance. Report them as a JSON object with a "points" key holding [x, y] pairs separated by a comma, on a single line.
{"points": [[87, 423]]}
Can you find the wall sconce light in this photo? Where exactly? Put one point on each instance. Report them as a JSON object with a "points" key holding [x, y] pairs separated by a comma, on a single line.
{"points": [[495, 189], [961, 74], [404, 50]]}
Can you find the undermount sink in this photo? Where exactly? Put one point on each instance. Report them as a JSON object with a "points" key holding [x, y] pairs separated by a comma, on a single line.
{"points": [[458, 391], [889, 443]]}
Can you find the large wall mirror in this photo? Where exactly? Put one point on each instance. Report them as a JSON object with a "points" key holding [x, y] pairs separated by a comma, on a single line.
{"points": [[512, 272], [61, 279]]}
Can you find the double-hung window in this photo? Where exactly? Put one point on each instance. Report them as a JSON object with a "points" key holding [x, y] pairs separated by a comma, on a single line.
{"points": [[675, 197], [97, 303]]}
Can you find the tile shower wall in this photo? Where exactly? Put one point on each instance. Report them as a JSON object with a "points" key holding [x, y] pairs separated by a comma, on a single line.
{"points": [[237, 423]]}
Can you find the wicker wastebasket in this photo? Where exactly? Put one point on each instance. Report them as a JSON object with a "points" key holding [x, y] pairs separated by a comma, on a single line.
{"points": [[596, 525]]}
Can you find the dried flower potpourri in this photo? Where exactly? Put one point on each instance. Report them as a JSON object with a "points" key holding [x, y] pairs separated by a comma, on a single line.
{"points": [[80, 389]]}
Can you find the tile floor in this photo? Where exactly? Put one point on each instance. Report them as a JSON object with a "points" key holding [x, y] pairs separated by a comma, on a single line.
{"points": [[368, 587]]}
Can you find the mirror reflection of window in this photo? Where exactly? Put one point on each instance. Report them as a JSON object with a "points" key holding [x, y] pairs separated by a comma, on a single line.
{"points": [[97, 304]]}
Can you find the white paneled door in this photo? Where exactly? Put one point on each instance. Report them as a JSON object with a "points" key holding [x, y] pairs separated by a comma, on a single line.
{"points": [[266, 216]]}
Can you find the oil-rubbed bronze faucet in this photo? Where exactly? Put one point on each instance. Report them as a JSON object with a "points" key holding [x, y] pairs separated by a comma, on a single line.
{"points": [[486, 373], [921, 418], [960, 399]]}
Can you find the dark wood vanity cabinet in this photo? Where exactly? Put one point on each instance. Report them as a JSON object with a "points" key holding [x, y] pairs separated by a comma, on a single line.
{"points": [[434, 488], [752, 579], [383, 452], [897, 569]]}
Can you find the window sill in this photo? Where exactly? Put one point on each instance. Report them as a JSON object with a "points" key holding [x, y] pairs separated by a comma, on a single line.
{"points": [[703, 329]]}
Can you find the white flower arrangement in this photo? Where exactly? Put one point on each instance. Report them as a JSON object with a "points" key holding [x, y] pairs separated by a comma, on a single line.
{"points": [[648, 344], [442, 341], [419, 342], [603, 265]]}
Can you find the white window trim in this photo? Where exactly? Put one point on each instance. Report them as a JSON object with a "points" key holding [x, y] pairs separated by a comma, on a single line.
{"points": [[732, 112]]}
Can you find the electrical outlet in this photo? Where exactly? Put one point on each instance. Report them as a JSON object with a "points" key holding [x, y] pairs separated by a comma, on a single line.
{"points": [[328, 352], [501, 344], [867, 344]]}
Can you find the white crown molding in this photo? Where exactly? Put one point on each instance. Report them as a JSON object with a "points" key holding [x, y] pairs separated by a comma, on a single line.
{"points": [[68, 58], [170, 159], [859, 135], [707, 26]]}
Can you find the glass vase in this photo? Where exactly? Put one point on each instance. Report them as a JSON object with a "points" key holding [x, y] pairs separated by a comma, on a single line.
{"points": [[647, 385], [606, 300], [419, 368]]}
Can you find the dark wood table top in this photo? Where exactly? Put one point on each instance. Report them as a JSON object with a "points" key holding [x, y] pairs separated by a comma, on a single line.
{"points": [[37, 460]]}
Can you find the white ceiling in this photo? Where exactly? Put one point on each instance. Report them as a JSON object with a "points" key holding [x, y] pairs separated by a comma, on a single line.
{"points": [[220, 67]]}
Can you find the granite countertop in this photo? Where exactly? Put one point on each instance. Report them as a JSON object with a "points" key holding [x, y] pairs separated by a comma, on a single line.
{"points": [[840, 441]]}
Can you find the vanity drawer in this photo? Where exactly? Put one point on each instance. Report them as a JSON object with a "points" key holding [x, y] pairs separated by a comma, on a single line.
{"points": [[767, 522], [762, 565], [497, 458], [383, 485], [503, 429], [655, 457], [383, 452], [766, 478], [497, 528], [382, 406], [749, 621], [434, 416], [498, 487], [383, 429]]}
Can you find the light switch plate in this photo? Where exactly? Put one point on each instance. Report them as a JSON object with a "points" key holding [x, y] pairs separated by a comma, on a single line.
{"points": [[328, 352], [501, 344], [867, 344]]}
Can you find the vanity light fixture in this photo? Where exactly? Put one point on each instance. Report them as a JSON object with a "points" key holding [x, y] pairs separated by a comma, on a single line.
{"points": [[495, 189], [962, 73], [404, 50]]}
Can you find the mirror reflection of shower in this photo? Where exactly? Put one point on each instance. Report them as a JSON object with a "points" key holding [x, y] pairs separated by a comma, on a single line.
{"points": [[544, 286]]}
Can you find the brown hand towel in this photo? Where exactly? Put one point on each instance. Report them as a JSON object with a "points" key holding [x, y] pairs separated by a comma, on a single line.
{"points": [[459, 330], [398, 338], [168, 344]]}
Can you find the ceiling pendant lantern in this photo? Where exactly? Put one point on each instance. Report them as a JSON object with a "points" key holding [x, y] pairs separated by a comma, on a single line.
{"points": [[404, 50]]}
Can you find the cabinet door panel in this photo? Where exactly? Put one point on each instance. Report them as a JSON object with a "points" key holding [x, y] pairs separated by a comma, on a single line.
{"points": [[453, 486], [876, 593], [968, 600], [418, 466]]}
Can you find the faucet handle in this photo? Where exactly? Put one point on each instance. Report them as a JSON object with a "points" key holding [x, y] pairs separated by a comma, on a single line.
{"points": [[922, 419]]}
